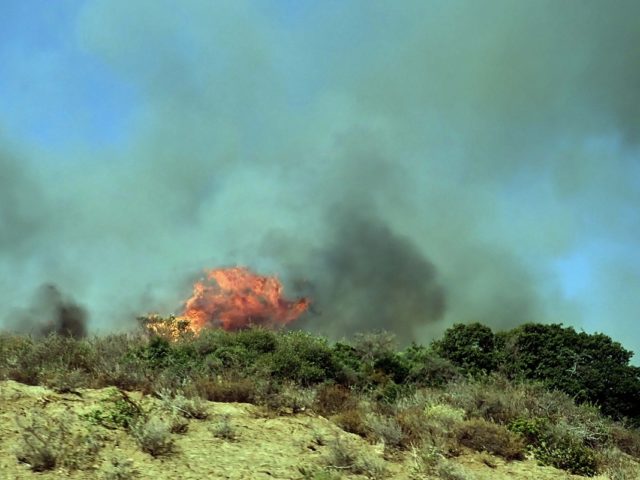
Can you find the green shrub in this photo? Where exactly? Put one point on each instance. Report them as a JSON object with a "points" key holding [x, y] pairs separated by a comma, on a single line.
{"points": [[589, 367], [120, 411], [427, 368], [304, 359], [556, 447], [473, 348], [568, 455], [118, 468], [153, 434], [257, 340], [222, 428]]}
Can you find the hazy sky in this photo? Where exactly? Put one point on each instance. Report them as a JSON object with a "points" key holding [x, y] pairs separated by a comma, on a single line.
{"points": [[408, 164]]}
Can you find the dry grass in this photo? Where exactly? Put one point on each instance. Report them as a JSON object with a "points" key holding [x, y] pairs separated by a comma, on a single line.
{"points": [[352, 421], [483, 436], [241, 391], [331, 399]]}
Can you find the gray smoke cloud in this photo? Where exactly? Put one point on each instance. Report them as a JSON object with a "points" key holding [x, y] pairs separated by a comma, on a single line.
{"points": [[415, 164]]}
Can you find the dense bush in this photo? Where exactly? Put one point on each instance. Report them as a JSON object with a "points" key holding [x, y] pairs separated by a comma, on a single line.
{"points": [[481, 435], [591, 368], [304, 359], [553, 446], [472, 347]]}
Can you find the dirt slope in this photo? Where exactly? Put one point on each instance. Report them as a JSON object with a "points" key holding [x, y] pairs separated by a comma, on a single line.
{"points": [[265, 447]]}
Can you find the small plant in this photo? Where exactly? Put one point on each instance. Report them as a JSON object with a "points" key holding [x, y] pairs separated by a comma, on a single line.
{"points": [[314, 473], [446, 470], [424, 460], [567, 454], [119, 469], [444, 414], [618, 466], [223, 428], [290, 400], [626, 440], [154, 436], [178, 424], [386, 429], [343, 456], [50, 442], [122, 412], [178, 404]]}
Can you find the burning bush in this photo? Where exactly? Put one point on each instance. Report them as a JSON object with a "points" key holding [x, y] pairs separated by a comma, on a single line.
{"points": [[236, 298]]}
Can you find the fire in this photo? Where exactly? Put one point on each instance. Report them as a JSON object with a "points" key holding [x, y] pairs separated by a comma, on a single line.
{"points": [[235, 298]]}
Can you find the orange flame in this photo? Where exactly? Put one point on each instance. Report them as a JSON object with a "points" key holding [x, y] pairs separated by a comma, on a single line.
{"points": [[236, 298]]}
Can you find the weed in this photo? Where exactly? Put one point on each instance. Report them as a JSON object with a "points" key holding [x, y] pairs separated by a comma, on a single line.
{"points": [[446, 470], [154, 436], [344, 456], [122, 412], [49, 442], [223, 428], [178, 404], [618, 466], [119, 469], [386, 429]]}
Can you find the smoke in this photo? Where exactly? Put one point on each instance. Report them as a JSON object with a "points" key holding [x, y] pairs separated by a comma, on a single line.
{"points": [[416, 164], [51, 312], [368, 278]]}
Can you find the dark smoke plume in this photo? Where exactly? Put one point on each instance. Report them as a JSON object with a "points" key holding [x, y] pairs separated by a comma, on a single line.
{"points": [[52, 312], [368, 277]]}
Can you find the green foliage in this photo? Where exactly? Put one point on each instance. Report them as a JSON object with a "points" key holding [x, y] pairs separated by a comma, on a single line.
{"points": [[568, 455], [304, 358], [427, 368], [120, 412], [591, 368], [557, 449], [473, 348]]}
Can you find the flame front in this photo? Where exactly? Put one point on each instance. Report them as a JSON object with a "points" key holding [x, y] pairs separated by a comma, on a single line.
{"points": [[235, 298]]}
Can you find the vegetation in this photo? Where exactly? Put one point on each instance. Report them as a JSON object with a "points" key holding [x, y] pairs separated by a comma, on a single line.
{"points": [[569, 399]]}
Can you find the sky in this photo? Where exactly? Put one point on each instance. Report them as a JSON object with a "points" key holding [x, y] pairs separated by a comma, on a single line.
{"points": [[408, 165]]}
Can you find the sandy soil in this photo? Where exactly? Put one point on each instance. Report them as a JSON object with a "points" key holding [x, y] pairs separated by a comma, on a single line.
{"points": [[265, 447]]}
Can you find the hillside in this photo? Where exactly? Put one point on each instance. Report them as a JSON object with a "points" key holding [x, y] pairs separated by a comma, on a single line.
{"points": [[168, 403], [264, 445]]}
